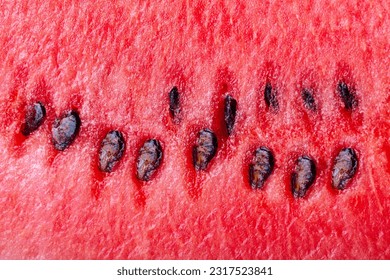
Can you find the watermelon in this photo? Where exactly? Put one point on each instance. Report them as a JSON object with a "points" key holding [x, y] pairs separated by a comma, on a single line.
{"points": [[194, 130]]}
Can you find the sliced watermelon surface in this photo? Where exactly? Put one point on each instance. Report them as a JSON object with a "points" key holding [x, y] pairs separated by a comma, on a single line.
{"points": [[114, 62]]}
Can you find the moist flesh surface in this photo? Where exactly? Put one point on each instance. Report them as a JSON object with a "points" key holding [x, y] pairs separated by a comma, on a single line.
{"points": [[116, 63]]}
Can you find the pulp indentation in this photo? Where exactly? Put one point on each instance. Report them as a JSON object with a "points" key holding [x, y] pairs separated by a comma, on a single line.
{"points": [[308, 99]]}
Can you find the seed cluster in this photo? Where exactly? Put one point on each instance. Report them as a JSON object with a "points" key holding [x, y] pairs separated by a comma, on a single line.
{"points": [[66, 128]]}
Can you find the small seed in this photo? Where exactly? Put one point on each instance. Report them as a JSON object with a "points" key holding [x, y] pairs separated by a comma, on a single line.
{"points": [[111, 150], [303, 176], [347, 96], [308, 99], [174, 104], [344, 168], [204, 149], [149, 159], [34, 118], [261, 167], [65, 130], [270, 97], [230, 113]]}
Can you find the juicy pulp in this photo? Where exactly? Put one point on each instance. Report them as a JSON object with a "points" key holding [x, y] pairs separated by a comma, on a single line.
{"points": [[115, 64]]}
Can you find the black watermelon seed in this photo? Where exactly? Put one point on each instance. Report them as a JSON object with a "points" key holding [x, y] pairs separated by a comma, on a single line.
{"points": [[111, 150], [261, 167], [230, 113], [174, 103], [344, 168], [204, 149], [149, 159], [65, 130], [270, 97], [34, 118], [308, 99], [303, 176], [347, 96]]}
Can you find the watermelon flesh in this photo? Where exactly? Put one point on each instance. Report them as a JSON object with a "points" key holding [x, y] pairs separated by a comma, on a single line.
{"points": [[115, 64]]}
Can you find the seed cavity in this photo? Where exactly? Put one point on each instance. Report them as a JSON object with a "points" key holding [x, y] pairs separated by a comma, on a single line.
{"points": [[149, 159], [261, 167], [303, 176], [270, 97], [65, 130], [344, 168], [347, 96], [308, 99], [230, 113], [34, 118], [204, 149], [111, 150], [174, 104]]}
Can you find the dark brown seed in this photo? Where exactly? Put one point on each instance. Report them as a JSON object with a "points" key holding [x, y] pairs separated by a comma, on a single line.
{"points": [[174, 104], [270, 97], [308, 99], [65, 130], [149, 159], [204, 149], [347, 96], [344, 168], [230, 113], [34, 118], [261, 167], [111, 150], [303, 176]]}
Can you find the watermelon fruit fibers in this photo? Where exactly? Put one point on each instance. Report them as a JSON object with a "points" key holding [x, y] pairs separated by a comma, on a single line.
{"points": [[114, 64]]}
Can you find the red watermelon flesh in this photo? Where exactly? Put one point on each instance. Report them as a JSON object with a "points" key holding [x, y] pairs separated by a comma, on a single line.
{"points": [[115, 62]]}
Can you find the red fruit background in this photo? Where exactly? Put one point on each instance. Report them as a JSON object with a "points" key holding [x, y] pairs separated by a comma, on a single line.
{"points": [[115, 62]]}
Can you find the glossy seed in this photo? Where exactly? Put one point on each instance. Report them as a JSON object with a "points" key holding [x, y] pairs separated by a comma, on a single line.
{"points": [[174, 103], [270, 97], [65, 130], [308, 99], [111, 150], [303, 176], [230, 113], [34, 118], [149, 159], [347, 96], [344, 168], [204, 149], [261, 167]]}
